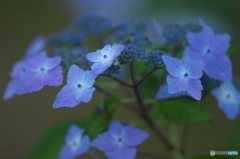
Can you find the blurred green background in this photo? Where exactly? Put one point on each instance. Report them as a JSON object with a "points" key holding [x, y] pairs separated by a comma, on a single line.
{"points": [[24, 118]]}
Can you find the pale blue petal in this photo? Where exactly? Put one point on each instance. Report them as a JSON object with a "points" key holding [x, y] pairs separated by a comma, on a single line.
{"points": [[115, 51], [95, 56], [230, 109], [104, 142], [85, 94], [106, 50], [89, 79], [37, 45], [11, 89], [66, 152], [66, 97], [217, 93], [101, 66], [177, 84], [83, 146], [195, 88], [19, 69], [133, 136], [52, 62], [76, 76], [194, 68], [122, 152], [73, 133], [174, 66], [35, 63], [195, 55], [220, 44], [115, 129], [219, 68], [53, 77]]}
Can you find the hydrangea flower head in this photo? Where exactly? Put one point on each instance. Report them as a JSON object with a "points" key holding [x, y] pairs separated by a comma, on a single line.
{"points": [[104, 58], [119, 141], [184, 75], [228, 99], [41, 71], [36, 46], [211, 49], [78, 89], [76, 143]]}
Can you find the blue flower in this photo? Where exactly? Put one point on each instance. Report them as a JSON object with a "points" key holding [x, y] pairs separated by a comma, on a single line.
{"points": [[36, 46], [228, 99], [163, 93], [184, 75], [32, 74], [78, 89], [76, 143], [41, 71], [104, 58], [211, 49], [119, 141]]}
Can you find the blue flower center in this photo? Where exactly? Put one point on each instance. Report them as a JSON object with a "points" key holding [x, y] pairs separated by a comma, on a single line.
{"points": [[228, 96], [79, 86], [119, 140], [105, 56], [42, 69], [24, 70], [185, 75], [208, 51], [74, 143]]}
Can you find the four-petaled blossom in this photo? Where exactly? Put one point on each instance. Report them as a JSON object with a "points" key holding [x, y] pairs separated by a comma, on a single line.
{"points": [[36, 46], [33, 73], [211, 49], [104, 58], [76, 143], [228, 99], [119, 141], [78, 89], [184, 75]]}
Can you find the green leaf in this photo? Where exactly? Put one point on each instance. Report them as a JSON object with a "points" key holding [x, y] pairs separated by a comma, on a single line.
{"points": [[234, 48], [182, 110], [49, 145], [233, 145], [210, 157], [102, 116]]}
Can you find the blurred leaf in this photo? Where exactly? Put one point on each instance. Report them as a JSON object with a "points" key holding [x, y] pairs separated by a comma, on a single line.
{"points": [[233, 145], [233, 49], [102, 116], [49, 145], [181, 110], [210, 157]]}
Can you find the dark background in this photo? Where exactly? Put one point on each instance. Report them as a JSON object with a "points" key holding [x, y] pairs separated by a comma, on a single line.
{"points": [[24, 118]]}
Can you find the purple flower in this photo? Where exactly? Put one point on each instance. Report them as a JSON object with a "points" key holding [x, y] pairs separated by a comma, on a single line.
{"points": [[78, 89], [76, 143], [41, 71], [36, 46], [119, 141], [163, 93], [32, 74], [211, 49], [228, 99], [184, 75], [104, 58]]}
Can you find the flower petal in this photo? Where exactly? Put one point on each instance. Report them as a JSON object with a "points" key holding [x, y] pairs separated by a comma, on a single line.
{"points": [[53, 77], [174, 66], [84, 145], [85, 94], [95, 56], [101, 66], [133, 136], [195, 88], [89, 79], [11, 89], [104, 142], [73, 132], [66, 97], [219, 68], [106, 50], [66, 152], [122, 152], [76, 76], [220, 44], [230, 109], [52, 62], [115, 51], [115, 129], [176, 84], [194, 68]]}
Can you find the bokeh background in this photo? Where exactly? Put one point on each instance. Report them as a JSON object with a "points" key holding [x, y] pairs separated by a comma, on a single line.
{"points": [[24, 118]]}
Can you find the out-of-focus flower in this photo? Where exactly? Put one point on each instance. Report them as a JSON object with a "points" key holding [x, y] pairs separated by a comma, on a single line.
{"points": [[104, 58], [36, 46], [211, 50], [78, 89], [228, 99], [184, 75], [119, 141], [76, 143]]}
